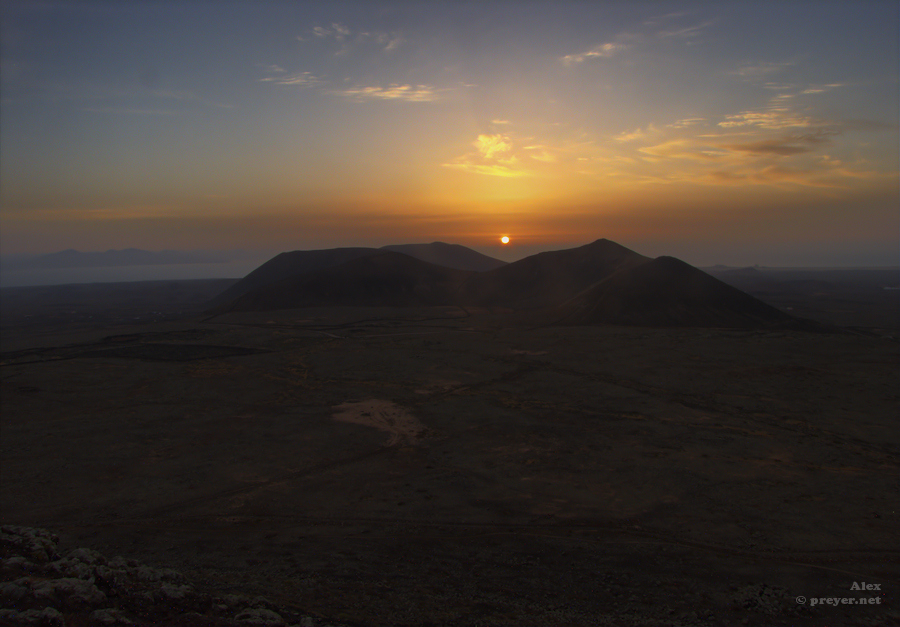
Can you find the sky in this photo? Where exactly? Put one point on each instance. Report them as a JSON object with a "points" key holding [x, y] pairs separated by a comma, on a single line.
{"points": [[718, 132]]}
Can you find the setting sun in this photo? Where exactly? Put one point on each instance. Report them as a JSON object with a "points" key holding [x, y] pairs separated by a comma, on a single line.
{"points": [[505, 239]]}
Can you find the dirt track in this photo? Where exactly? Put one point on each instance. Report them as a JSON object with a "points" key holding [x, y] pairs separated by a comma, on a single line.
{"points": [[528, 476]]}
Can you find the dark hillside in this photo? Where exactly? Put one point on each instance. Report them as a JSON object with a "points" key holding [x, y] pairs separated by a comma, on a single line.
{"points": [[668, 292], [550, 278], [383, 279]]}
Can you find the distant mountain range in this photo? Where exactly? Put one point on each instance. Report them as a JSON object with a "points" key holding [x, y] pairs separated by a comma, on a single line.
{"points": [[599, 283], [112, 258]]}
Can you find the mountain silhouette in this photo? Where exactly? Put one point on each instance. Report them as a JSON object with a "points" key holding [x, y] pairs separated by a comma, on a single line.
{"points": [[286, 265], [549, 278], [383, 279], [298, 262], [599, 283], [667, 292], [448, 255]]}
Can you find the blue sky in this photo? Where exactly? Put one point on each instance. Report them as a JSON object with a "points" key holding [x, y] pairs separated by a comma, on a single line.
{"points": [[747, 132]]}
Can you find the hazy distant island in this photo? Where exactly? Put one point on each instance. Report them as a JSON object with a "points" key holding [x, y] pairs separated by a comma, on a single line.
{"points": [[113, 258]]}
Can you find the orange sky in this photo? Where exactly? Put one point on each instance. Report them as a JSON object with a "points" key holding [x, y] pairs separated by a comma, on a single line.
{"points": [[722, 134]]}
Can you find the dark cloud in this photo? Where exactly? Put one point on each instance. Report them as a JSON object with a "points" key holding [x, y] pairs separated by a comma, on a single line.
{"points": [[784, 146]]}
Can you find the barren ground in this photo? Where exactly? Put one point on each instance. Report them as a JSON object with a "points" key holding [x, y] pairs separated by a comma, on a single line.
{"points": [[416, 467]]}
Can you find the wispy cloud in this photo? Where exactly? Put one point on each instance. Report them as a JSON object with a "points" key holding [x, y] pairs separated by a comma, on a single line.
{"points": [[488, 170], [760, 70], [494, 155], [682, 148], [772, 120], [302, 79], [491, 146], [688, 32], [129, 111], [336, 31], [344, 35], [600, 51], [686, 122], [783, 146], [636, 134], [404, 93], [659, 19], [821, 89]]}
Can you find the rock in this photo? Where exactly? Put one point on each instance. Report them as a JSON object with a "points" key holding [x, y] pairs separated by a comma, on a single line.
{"points": [[87, 556], [169, 574], [12, 593], [69, 567], [145, 574], [168, 593], [121, 563], [36, 545], [71, 594], [14, 565], [109, 617], [259, 617], [47, 617], [113, 578]]}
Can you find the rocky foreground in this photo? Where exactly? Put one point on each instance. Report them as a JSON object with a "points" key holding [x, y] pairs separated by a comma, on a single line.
{"points": [[41, 587]]}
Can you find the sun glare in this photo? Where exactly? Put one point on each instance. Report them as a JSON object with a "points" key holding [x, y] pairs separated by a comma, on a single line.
{"points": [[505, 239]]}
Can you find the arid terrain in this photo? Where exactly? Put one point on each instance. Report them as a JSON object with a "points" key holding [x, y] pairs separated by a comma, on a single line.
{"points": [[450, 466]]}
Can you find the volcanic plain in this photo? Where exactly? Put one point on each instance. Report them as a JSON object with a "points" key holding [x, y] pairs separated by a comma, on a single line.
{"points": [[453, 465]]}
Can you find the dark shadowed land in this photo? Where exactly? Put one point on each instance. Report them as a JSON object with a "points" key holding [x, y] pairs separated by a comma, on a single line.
{"points": [[447, 465]]}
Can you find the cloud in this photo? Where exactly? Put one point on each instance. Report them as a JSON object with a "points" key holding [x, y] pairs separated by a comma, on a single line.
{"points": [[488, 170], [491, 146], [494, 155], [389, 41], [302, 79], [779, 147], [337, 31], [653, 21], [544, 156], [783, 146], [687, 32], [599, 51], [405, 93], [345, 36], [500, 122], [636, 134], [821, 89], [129, 111], [776, 119], [681, 149], [686, 122], [760, 70]]}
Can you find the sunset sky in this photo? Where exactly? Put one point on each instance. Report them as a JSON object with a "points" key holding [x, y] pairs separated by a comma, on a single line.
{"points": [[735, 133]]}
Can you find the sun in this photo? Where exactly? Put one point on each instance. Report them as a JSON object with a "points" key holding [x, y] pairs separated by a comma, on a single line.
{"points": [[505, 239]]}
